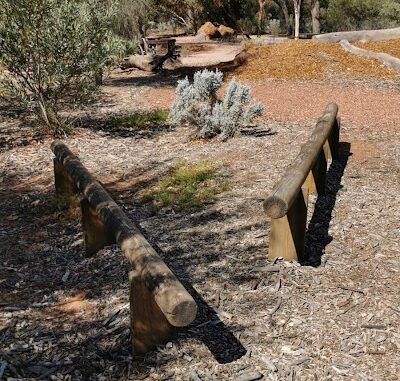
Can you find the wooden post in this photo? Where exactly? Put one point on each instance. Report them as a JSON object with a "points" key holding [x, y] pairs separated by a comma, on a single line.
{"points": [[316, 179], [149, 325], [287, 235], [333, 139], [310, 183], [288, 200], [161, 294], [96, 234], [63, 183]]}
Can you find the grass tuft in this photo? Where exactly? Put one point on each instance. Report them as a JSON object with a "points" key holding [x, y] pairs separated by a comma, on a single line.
{"points": [[187, 185], [139, 119], [62, 203]]}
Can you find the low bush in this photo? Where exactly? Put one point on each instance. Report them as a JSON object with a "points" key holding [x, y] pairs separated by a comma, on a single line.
{"points": [[196, 104], [138, 119]]}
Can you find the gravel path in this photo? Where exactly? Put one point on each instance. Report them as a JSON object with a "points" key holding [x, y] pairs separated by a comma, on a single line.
{"points": [[360, 103], [66, 317]]}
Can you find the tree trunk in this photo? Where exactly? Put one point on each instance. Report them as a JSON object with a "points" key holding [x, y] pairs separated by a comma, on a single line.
{"points": [[260, 14], [315, 13], [261, 6], [297, 6], [286, 15]]}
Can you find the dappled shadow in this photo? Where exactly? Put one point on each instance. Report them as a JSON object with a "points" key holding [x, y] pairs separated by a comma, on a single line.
{"points": [[51, 263], [162, 78], [120, 125], [317, 237], [207, 327], [210, 330]]}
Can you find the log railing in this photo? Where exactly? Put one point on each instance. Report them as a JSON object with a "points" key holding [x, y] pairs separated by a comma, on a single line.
{"points": [[288, 201], [158, 300]]}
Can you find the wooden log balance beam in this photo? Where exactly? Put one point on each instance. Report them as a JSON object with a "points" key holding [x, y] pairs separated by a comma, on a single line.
{"points": [[288, 201], [158, 300]]}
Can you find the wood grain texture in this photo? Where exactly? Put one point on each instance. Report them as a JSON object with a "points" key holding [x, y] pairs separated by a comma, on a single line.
{"points": [[287, 235], [96, 234], [284, 193], [174, 301], [149, 325]]}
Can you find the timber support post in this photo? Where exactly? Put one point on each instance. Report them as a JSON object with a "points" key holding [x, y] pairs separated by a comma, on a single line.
{"points": [[149, 325], [63, 183], [159, 302], [287, 203], [96, 235]]}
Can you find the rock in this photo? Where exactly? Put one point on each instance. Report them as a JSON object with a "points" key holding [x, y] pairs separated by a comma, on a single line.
{"points": [[208, 31], [226, 31]]}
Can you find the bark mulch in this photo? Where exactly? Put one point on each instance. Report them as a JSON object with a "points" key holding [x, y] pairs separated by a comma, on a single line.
{"points": [[66, 317]]}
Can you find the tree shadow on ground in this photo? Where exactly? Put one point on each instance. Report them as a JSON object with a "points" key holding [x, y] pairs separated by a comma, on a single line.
{"points": [[317, 236], [121, 125], [42, 262], [162, 78]]}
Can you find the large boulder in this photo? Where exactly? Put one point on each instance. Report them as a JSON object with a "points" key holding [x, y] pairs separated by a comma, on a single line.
{"points": [[225, 31], [208, 31]]}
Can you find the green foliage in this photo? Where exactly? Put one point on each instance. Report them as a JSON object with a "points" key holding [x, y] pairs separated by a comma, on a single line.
{"points": [[274, 27], [362, 14], [139, 119], [187, 185], [131, 18], [54, 52]]}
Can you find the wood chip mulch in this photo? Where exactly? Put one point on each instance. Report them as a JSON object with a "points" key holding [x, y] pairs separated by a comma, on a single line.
{"points": [[66, 317], [310, 60]]}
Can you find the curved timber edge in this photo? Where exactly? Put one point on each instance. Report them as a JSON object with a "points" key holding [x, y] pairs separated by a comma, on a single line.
{"points": [[387, 59], [368, 35]]}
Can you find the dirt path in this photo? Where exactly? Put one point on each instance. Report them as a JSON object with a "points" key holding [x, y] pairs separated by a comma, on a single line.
{"points": [[284, 100]]}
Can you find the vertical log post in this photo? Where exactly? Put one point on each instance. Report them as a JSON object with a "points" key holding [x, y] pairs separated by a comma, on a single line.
{"points": [[319, 173], [331, 146], [96, 234], [63, 183], [287, 235], [149, 325]]}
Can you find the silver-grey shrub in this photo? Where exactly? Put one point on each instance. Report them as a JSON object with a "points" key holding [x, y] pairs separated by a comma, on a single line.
{"points": [[197, 105]]}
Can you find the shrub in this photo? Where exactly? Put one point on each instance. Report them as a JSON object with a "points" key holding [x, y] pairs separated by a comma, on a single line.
{"points": [[54, 52], [197, 105], [139, 119], [274, 27]]}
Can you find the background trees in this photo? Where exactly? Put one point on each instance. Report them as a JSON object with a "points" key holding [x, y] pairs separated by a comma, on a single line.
{"points": [[362, 14], [54, 53], [257, 16]]}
